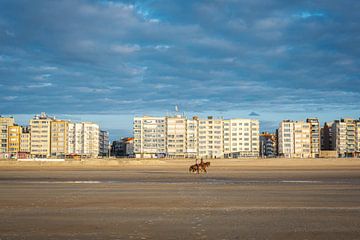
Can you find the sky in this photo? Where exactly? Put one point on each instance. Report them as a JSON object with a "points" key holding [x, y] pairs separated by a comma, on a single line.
{"points": [[108, 61]]}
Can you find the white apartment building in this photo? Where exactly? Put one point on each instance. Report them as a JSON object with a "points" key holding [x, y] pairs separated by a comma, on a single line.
{"points": [[83, 139], [149, 136], [295, 139], [346, 137], [241, 138], [177, 136]]}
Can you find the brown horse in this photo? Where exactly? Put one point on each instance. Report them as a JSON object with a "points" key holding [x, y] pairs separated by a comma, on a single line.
{"points": [[201, 167]]}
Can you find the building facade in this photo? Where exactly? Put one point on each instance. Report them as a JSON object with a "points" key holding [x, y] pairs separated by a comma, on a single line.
{"points": [[241, 138], [346, 137], [25, 140], [5, 122], [295, 139], [14, 136], [103, 143], [59, 138], [83, 139], [268, 145], [327, 137], [40, 142], [149, 136], [315, 138], [177, 136]]}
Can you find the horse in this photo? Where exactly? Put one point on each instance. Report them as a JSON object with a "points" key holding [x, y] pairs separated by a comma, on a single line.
{"points": [[201, 167]]}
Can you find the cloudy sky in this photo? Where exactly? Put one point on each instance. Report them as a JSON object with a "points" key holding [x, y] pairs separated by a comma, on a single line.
{"points": [[107, 61]]}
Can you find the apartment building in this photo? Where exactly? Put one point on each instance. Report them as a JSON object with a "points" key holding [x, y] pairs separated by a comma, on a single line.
{"points": [[295, 139], [314, 137], [5, 122], [149, 136], [327, 137], [211, 138], [241, 138], [103, 143], [176, 136], [346, 137], [192, 137], [59, 138], [268, 144], [25, 140], [40, 129], [14, 136], [83, 139]]}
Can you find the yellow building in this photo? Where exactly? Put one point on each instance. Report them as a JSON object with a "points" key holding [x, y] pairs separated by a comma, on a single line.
{"points": [[14, 134], [59, 137], [40, 127], [5, 122]]}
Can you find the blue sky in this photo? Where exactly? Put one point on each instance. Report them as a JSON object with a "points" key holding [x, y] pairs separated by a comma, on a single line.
{"points": [[106, 61]]}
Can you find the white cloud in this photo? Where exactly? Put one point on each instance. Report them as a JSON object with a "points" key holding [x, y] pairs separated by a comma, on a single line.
{"points": [[125, 49], [10, 98], [40, 85]]}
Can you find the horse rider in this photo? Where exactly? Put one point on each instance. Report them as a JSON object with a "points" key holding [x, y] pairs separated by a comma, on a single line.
{"points": [[197, 165]]}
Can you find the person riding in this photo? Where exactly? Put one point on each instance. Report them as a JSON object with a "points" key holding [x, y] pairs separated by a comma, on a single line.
{"points": [[197, 165]]}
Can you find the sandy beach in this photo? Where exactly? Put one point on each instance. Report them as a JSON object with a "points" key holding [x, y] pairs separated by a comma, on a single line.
{"points": [[160, 199]]}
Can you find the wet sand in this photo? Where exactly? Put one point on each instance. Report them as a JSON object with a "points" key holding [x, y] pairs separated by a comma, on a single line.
{"points": [[233, 201]]}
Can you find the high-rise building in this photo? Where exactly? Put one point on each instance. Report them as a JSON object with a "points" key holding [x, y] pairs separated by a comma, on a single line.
{"points": [[103, 143], [241, 138], [327, 137], [59, 137], [149, 136], [177, 136], [25, 140], [345, 137], [211, 137], [14, 136], [314, 137], [268, 144], [192, 137], [295, 139], [40, 129], [83, 139], [5, 122]]}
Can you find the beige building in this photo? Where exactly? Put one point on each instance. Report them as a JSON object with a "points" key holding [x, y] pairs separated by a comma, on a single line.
{"points": [[315, 136], [345, 134], [176, 136], [211, 137], [25, 140], [295, 139], [241, 138], [5, 122], [14, 135], [40, 129], [59, 138], [149, 136], [192, 137]]}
